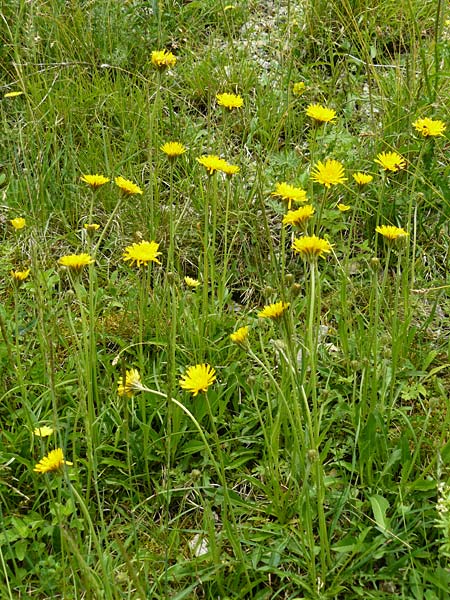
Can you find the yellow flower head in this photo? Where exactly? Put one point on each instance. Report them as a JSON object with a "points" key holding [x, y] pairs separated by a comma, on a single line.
{"points": [[131, 385], [198, 379], [298, 88], [229, 101], [391, 161], [289, 193], [362, 178], [20, 276], [391, 233], [18, 223], [343, 207], [54, 461], [91, 227], [162, 59], [76, 261], [94, 181], [212, 163], [329, 173], [127, 187], [142, 253], [273, 311], [311, 247], [13, 94], [320, 113], [173, 149], [240, 336], [192, 283], [230, 169], [429, 128], [44, 431], [300, 216]]}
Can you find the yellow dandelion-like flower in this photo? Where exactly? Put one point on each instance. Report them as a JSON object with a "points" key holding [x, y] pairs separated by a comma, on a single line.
{"points": [[300, 216], [13, 94], [320, 113], [391, 161], [91, 227], [142, 253], [229, 7], [273, 311], [198, 378], [44, 431], [240, 336], [289, 193], [229, 101], [391, 233], [94, 181], [329, 173], [173, 149], [311, 247], [127, 187], [230, 170], [131, 384], [343, 207], [429, 128], [76, 262], [212, 163], [18, 223], [20, 276], [162, 59], [362, 178], [191, 282], [298, 88], [54, 461]]}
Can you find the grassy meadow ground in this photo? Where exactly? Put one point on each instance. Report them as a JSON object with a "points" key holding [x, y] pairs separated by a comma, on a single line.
{"points": [[314, 460]]}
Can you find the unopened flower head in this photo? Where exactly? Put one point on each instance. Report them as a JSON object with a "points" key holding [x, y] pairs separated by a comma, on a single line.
{"points": [[391, 161], [429, 127], [20, 276], [289, 193], [391, 233], [191, 282], [298, 88], [54, 461], [131, 384], [198, 378], [94, 181], [212, 163], [329, 173], [299, 217], [311, 247], [229, 101], [142, 253], [13, 94], [127, 187], [362, 178], [162, 59], [18, 223], [240, 336], [273, 311], [320, 113], [43, 431], [76, 262], [173, 149]]}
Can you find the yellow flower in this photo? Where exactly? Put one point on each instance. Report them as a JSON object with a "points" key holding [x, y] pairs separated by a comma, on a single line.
{"points": [[190, 282], [320, 113], [91, 227], [329, 173], [240, 336], [94, 181], [390, 232], [76, 261], [428, 128], [212, 163], [127, 187], [391, 161], [289, 193], [229, 7], [198, 378], [343, 207], [362, 178], [298, 88], [18, 223], [311, 247], [273, 311], [43, 431], [230, 169], [300, 216], [13, 94], [173, 149], [142, 253], [131, 385], [20, 276], [229, 101], [54, 461], [163, 59]]}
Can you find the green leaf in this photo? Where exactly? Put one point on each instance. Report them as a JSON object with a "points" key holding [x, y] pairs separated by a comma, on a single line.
{"points": [[379, 508]]}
